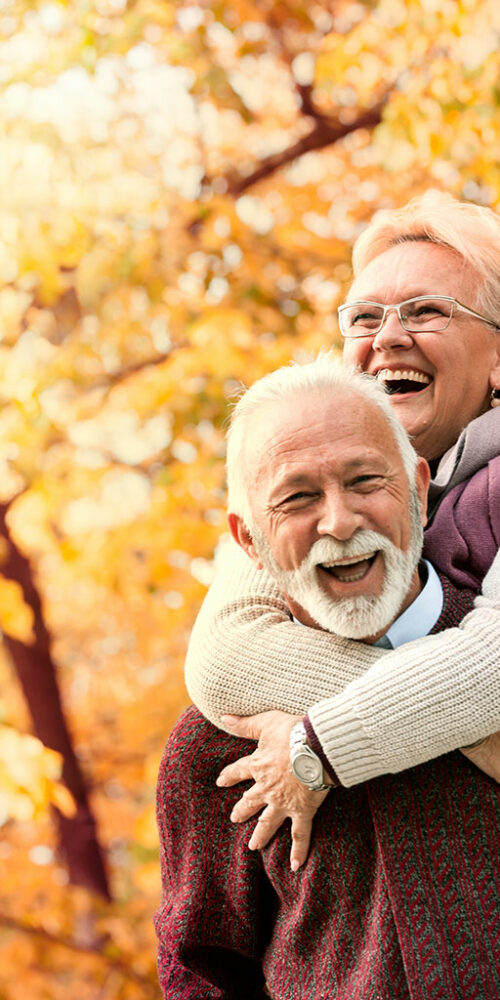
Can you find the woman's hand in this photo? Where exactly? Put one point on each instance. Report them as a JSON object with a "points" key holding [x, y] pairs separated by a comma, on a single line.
{"points": [[275, 788], [486, 755]]}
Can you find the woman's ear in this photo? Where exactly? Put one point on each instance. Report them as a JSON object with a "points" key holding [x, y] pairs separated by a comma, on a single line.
{"points": [[495, 371]]}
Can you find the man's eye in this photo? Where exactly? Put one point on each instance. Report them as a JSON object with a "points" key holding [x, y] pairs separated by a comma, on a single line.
{"points": [[296, 498], [366, 482]]}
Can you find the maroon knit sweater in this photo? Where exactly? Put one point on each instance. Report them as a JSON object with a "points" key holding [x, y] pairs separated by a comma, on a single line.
{"points": [[399, 898]]}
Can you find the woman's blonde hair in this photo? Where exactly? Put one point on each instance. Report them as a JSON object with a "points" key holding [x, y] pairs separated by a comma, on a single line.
{"points": [[473, 231]]}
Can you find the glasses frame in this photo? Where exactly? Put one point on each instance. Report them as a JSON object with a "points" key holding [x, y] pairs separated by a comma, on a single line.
{"points": [[397, 307]]}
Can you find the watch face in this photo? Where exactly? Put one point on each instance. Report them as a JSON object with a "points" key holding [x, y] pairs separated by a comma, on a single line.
{"points": [[308, 769]]}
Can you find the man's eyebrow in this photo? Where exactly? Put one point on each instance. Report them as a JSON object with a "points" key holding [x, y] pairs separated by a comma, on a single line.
{"points": [[290, 482], [376, 461]]}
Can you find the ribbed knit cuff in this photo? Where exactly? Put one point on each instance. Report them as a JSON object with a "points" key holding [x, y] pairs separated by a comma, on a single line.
{"points": [[345, 745]]}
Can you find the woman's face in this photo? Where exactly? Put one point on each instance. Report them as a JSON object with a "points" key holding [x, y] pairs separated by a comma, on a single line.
{"points": [[445, 376]]}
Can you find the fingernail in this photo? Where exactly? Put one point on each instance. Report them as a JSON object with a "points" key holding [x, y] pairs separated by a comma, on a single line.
{"points": [[220, 781], [294, 865]]}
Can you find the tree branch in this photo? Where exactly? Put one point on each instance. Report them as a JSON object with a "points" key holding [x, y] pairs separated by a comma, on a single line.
{"points": [[325, 132]]}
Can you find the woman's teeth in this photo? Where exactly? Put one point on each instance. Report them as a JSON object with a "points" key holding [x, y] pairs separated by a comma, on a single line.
{"points": [[403, 379]]}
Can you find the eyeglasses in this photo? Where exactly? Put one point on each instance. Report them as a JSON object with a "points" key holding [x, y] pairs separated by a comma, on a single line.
{"points": [[422, 314]]}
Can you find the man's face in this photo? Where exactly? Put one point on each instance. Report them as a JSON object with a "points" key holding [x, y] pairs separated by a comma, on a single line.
{"points": [[332, 510], [450, 369]]}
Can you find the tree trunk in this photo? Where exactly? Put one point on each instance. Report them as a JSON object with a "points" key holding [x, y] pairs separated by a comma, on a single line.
{"points": [[37, 674]]}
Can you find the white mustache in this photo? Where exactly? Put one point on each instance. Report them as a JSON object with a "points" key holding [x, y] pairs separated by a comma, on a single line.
{"points": [[328, 550]]}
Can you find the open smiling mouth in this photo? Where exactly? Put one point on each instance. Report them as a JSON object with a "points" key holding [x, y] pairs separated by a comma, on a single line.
{"points": [[403, 380], [351, 569]]}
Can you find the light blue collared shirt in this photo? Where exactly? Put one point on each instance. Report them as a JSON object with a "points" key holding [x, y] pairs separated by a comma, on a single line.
{"points": [[420, 616]]}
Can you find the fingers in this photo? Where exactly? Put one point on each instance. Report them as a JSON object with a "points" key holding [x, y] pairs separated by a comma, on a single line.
{"points": [[269, 822], [247, 806], [486, 755], [301, 839], [253, 727], [234, 773], [249, 726]]}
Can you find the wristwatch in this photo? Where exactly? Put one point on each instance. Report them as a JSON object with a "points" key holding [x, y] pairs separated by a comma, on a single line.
{"points": [[304, 762]]}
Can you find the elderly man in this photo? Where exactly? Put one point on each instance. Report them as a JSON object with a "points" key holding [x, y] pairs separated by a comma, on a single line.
{"points": [[400, 894]]}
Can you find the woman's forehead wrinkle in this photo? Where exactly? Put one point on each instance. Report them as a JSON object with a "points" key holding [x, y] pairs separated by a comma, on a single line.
{"points": [[410, 269]]}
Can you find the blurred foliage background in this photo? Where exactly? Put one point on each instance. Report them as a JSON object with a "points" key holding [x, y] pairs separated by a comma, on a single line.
{"points": [[181, 184]]}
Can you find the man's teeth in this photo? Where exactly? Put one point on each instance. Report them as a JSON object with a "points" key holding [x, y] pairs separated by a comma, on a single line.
{"points": [[402, 375], [350, 560], [340, 564]]}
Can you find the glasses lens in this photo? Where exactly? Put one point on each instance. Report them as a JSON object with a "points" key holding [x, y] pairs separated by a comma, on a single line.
{"points": [[430, 314], [361, 319]]}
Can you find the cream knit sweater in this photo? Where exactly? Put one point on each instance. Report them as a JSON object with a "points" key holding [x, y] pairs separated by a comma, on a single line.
{"points": [[373, 711]]}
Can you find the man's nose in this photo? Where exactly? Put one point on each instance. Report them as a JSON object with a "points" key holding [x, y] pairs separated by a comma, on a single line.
{"points": [[339, 517], [392, 335]]}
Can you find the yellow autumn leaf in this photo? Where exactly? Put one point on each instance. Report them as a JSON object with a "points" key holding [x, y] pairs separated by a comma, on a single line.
{"points": [[219, 327], [146, 831], [147, 879], [29, 777], [16, 617], [62, 799]]}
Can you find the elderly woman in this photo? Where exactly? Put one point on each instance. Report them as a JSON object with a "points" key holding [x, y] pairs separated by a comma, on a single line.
{"points": [[423, 317]]}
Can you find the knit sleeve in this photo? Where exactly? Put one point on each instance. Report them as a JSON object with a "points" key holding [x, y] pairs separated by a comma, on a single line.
{"points": [[214, 908], [422, 700], [246, 655], [374, 712]]}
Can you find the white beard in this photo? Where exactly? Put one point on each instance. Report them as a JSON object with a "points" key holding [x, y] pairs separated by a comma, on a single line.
{"points": [[352, 617]]}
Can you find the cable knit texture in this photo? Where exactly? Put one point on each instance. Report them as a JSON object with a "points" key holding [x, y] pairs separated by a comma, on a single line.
{"points": [[399, 898], [374, 712]]}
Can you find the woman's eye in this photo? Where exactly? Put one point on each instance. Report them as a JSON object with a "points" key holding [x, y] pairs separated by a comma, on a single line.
{"points": [[365, 318], [428, 311], [423, 311]]}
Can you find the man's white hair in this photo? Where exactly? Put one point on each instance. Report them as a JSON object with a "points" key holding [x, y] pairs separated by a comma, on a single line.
{"points": [[325, 374]]}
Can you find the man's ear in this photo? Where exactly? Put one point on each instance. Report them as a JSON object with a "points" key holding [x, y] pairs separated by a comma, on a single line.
{"points": [[243, 536], [422, 480]]}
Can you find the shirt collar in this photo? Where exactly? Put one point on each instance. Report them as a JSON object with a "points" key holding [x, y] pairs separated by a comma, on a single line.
{"points": [[421, 616]]}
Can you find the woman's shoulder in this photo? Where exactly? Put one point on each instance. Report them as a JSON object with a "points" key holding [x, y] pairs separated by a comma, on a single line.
{"points": [[464, 536], [480, 496]]}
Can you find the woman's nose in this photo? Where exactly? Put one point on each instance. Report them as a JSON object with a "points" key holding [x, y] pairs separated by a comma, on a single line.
{"points": [[392, 334]]}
